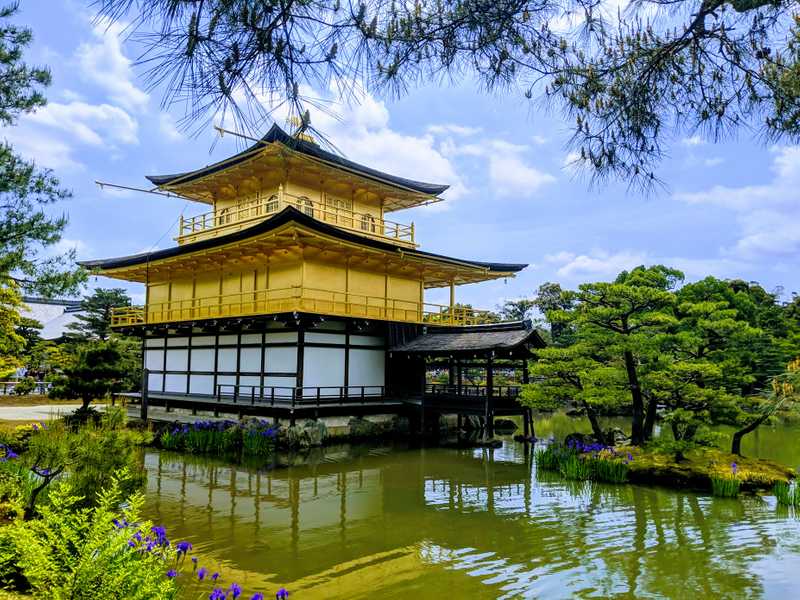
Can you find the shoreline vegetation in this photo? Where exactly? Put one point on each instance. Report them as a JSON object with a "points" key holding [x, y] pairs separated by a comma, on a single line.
{"points": [[709, 470]]}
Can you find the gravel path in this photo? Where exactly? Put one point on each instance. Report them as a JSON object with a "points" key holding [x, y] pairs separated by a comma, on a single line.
{"points": [[33, 413]]}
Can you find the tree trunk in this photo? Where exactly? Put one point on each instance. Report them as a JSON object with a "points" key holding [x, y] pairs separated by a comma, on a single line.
{"points": [[637, 423], [736, 444], [596, 429], [650, 418]]}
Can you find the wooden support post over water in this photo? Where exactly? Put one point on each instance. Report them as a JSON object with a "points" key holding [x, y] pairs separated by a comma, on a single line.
{"points": [[489, 409], [143, 394]]}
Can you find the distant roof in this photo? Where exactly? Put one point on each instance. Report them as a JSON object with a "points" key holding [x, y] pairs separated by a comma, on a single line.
{"points": [[53, 313], [503, 338], [276, 134], [287, 215]]}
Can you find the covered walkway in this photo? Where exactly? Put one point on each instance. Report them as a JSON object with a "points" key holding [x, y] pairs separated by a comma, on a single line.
{"points": [[468, 371]]}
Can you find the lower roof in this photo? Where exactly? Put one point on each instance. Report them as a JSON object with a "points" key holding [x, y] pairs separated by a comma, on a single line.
{"points": [[500, 338], [286, 216]]}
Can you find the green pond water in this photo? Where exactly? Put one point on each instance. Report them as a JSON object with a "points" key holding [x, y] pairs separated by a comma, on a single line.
{"points": [[393, 521]]}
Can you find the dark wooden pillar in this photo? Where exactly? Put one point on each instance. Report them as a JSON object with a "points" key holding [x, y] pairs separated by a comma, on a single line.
{"points": [[525, 374], [143, 394], [451, 372], [459, 376], [489, 410]]}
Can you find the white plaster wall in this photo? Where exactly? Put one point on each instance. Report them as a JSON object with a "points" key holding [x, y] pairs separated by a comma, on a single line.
{"points": [[367, 367], [325, 338], [177, 360], [154, 343], [178, 341], [250, 360], [281, 360], [226, 359], [201, 384], [155, 383], [366, 340], [280, 337], [175, 383], [202, 359], [154, 360], [323, 367]]}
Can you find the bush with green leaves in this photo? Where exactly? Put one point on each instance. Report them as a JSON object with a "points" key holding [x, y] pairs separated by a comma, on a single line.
{"points": [[88, 457], [77, 552], [25, 386]]}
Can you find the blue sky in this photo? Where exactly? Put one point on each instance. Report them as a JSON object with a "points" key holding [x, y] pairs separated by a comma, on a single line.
{"points": [[729, 209]]}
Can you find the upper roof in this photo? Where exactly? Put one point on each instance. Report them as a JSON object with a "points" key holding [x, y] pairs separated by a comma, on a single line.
{"points": [[501, 338], [287, 215], [278, 135]]}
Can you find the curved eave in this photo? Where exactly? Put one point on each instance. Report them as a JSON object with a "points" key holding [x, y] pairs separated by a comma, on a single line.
{"points": [[276, 134], [286, 216]]}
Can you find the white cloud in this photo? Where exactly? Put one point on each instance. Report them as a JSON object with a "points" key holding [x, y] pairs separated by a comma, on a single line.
{"points": [[65, 245], [166, 125], [767, 213], [713, 161], [452, 128], [103, 63], [539, 139], [597, 263], [41, 147], [93, 124], [695, 140], [510, 176]]}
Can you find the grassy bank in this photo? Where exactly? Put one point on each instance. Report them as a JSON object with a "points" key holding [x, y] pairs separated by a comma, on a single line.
{"points": [[704, 469]]}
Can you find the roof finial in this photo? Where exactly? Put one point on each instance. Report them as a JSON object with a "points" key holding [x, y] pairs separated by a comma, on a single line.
{"points": [[301, 123]]}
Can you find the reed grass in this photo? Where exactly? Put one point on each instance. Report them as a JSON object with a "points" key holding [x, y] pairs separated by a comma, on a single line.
{"points": [[255, 438], [725, 487], [787, 494], [571, 463]]}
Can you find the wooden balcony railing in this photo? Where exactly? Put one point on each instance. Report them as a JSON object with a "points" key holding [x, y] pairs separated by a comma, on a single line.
{"points": [[300, 299], [238, 217]]}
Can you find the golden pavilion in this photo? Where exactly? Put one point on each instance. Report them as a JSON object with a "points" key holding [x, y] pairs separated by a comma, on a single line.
{"points": [[295, 284]]}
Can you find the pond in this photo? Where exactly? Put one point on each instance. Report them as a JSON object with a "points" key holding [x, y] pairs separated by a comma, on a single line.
{"points": [[394, 521]]}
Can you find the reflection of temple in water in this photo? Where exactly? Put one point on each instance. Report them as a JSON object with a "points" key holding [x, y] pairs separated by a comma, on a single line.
{"points": [[374, 519], [343, 507]]}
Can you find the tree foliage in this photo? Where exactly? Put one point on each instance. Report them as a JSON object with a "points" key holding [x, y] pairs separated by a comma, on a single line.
{"points": [[27, 229], [627, 78], [97, 370], [702, 353], [94, 322]]}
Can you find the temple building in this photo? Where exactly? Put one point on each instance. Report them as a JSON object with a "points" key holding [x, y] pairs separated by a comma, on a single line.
{"points": [[296, 290]]}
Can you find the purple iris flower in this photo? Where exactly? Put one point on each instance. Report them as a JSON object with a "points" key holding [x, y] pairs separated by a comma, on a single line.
{"points": [[282, 594], [131, 543], [183, 547], [734, 468], [217, 594], [172, 573], [257, 596], [215, 576], [10, 454], [235, 590], [201, 573]]}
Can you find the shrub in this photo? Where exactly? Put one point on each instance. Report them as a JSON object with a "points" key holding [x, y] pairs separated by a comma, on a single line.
{"points": [[787, 494], [84, 553], [25, 386]]}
